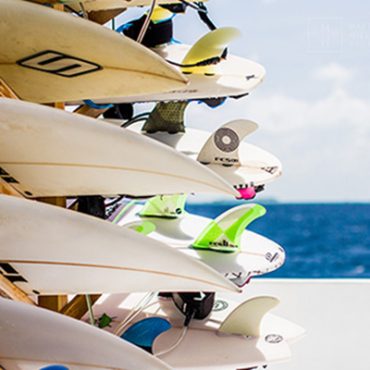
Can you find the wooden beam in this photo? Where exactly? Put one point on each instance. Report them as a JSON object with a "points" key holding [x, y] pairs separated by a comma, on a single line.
{"points": [[46, 2], [104, 16], [56, 201], [77, 307], [59, 7], [13, 292], [58, 105], [54, 303], [88, 111], [6, 91], [6, 189]]}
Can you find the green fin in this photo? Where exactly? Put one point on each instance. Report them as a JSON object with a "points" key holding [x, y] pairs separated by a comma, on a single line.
{"points": [[145, 227], [166, 206], [104, 320], [224, 233], [166, 117]]}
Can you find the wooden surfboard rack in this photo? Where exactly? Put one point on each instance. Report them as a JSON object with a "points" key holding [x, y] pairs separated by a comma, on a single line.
{"points": [[13, 292]]}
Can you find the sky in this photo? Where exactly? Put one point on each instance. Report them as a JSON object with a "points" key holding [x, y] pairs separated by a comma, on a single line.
{"points": [[313, 108]]}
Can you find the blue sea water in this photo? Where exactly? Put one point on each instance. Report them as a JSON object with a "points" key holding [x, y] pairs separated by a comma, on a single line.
{"points": [[320, 240]]}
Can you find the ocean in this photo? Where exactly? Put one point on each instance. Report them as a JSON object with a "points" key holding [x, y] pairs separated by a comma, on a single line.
{"points": [[320, 240]]}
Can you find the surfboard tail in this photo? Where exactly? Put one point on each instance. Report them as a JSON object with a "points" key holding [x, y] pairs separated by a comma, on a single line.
{"points": [[246, 318], [224, 233], [222, 147], [165, 206], [203, 57]]}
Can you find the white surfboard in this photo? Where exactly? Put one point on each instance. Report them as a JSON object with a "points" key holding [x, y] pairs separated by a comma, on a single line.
{"points": [[48, 152], [32, 338], [75, 59], [96, 5], [50, 250], [120, 305], [242, 164], [204, 337], [257, 255], [232, 77]]}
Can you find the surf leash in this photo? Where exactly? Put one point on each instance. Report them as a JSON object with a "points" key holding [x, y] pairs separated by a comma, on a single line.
{"points": [[202, 63], [91, 104], [202, 12], [146, 23], [176, 344], [159, 30], [193, 306], [83, 10], [90, 309], [123, 211], [141, 305], [138, 118]]}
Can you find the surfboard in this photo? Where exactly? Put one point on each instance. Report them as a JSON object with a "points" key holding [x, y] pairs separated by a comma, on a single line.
{"points": [[32, 337], [230, 77], [222, 243], [49, 152], [96, 5], [50, 250], [120, 306], [75, 59], [273, 337], [242, 164]]}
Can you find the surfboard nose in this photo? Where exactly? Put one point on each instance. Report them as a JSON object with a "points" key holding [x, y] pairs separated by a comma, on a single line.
{"points": [[20, 347], [214, 183], [193, 176]]}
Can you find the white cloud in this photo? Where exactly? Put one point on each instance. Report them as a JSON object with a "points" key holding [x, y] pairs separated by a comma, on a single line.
{"points": [[334, 72], [324, 144]]}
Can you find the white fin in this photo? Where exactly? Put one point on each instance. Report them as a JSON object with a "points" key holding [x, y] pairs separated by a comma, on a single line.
{"points": [[246, 318], [222, 147]]}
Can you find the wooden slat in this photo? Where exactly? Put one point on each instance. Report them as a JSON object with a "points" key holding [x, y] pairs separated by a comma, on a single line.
{"points": [[54, 303], [104, 16], [56, 201], [88, 111], [77, 307], [6, 189], [6, 91], [13, 292], [59, 7], [58, 105]]}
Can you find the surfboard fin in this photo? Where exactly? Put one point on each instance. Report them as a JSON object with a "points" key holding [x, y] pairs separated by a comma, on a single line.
{"points": [[222, 147], [161, 14], [166, 117], [143, 333], [54, 367], [224, 233], [104, 321], [164, 206], [143, 227], [246, 318], [207, 51]]}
